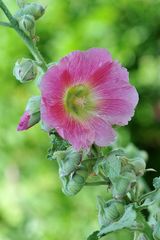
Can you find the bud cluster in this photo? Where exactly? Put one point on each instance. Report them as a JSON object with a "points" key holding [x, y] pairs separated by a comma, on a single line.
{"points": [[74, 170], [27, 15], [121, 171]]}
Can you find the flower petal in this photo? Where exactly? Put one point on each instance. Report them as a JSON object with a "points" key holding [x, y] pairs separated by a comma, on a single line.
{"points": [[108, 75], [81, 64], [117, 111], [104, 133], [53, 115], [24, 122], [79, 135]]}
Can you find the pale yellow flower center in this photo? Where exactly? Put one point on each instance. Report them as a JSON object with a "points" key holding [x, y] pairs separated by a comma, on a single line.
{"points": [[79, 101]]}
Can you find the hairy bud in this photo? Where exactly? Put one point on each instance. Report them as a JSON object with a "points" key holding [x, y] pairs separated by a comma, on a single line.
{"points": [[110, 211], [25, 70], [27, 24], [36, 10], [75, 182], [68, 161]]}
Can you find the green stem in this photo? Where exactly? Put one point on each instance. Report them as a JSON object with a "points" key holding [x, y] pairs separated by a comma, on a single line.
{"points": [[103, 177], [146, 195], [5, 24], [147, 230], [95, 183], [28, 42]]}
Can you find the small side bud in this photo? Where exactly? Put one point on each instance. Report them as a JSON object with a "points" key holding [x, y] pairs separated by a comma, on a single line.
{"points": [[27, 24], [75, 182], [68, 161], [31, 115], [25, 70], [34, 9], [110, 211], [114, 210]]}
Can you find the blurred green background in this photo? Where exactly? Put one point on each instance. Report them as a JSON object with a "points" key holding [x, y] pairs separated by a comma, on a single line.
{"points": [[32, 205]]}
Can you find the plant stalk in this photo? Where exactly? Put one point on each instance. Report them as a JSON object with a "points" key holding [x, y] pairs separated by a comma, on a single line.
{"points": [[28, 42]]}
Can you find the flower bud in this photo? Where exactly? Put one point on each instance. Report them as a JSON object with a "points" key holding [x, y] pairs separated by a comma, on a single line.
{"points": [[27, 24], [34, 9], [110, 211], [25, 70], [75, 182], [68, 161], [156, 232], [114, 210], [31, 115]]}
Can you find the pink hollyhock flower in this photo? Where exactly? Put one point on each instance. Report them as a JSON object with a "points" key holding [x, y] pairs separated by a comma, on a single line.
{"points": [[84, 95]]}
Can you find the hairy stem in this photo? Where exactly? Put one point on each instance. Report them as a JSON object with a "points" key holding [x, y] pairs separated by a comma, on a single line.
{"points": [[146, 228], [28, 42], [5, 24], [95, 183], [143, 197]]}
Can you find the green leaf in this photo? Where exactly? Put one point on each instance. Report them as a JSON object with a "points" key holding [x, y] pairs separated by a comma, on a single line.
{"points": [[156, 183], [93, 236], [57, 144], [126, 221]]}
